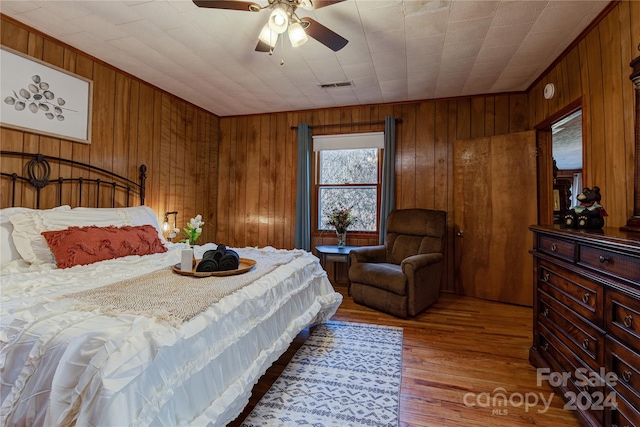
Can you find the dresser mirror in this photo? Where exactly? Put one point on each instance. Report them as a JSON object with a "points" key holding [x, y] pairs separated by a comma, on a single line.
{"points": [[633, 224]]}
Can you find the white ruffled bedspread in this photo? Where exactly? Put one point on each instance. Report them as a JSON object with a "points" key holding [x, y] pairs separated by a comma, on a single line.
{"points": [[60, 367]]}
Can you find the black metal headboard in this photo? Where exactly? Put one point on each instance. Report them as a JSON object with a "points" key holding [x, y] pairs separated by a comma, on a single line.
{"points": [[38, 171]]}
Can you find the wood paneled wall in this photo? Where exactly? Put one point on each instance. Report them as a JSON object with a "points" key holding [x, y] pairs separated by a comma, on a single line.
{"points": [[258, 155], [133, 123], [239, 172], [597, 69]]}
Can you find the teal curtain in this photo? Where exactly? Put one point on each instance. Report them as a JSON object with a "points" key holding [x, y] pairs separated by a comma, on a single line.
{"points": [[303, 189], [388, 202]]}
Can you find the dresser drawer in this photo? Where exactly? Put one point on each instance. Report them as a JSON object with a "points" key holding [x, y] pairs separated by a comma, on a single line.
{"points": [[582, 337], [583, 296], [622, 318], [625, 415], [557, 247], [616, 264], [563, 361], [625, 364]]}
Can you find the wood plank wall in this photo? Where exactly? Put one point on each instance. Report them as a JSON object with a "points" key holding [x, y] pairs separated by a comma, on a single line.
{"points": [[133, 123], [597, 69], [258, 154], [246, 190]]}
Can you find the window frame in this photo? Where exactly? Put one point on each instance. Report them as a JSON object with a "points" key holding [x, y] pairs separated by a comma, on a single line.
{"points": [[315, 171]]}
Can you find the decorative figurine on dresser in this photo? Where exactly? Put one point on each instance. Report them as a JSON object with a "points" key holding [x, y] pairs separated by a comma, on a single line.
{"points": [[589, 213]]}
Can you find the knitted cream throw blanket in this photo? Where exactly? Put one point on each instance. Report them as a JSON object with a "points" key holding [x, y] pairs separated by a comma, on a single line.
{"points": [[168, 296]]}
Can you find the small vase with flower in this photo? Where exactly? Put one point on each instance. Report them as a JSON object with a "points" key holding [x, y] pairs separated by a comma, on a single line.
{"points": [[341, 218], [191, 232]]}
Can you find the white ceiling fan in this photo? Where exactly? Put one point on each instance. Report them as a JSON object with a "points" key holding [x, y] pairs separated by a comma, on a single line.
{"points": [[283, 18]]}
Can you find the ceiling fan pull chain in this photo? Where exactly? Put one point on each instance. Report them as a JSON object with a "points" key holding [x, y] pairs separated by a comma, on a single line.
{"points": [[281, 49]]}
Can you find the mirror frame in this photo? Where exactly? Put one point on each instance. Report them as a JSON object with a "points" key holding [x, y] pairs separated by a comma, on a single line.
{"points": [[633, 224]]}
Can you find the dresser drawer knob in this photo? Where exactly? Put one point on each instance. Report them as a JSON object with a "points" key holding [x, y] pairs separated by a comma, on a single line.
{"points": [[604, 259], [545, 312], [554, 247], [545, 346], [545, 277], [628, 321], [585, 297], [585, 344], [626, 375]]}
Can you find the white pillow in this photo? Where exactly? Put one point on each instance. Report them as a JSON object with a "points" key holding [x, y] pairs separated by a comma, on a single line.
{"points": [[140, 215], [27, 228], [8, 251]]}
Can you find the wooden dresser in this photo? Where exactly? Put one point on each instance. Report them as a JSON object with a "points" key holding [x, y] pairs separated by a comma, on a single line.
{"points": [[586, 320]]}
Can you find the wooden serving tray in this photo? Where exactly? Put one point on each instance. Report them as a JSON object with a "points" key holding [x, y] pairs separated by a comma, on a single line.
{"points": [[246, 264]]}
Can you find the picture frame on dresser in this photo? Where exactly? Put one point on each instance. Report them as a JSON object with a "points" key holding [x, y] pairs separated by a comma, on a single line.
{"points": [[44, 99]]}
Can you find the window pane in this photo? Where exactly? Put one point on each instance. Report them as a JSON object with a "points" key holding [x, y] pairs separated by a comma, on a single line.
{"points": [[361, 200], [349, 166]]}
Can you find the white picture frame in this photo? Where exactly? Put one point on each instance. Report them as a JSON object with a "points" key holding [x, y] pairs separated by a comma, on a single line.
{"points": [[44, 99]]}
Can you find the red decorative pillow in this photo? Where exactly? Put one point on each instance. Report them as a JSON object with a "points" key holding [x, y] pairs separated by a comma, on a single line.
{"points": [[86, 245]]}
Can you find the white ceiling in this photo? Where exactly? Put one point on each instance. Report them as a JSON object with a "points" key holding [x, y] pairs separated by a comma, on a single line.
{"points": [[398, 50]]}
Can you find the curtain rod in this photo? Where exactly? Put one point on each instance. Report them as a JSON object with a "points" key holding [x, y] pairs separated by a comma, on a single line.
{"points": [[377, 122]]}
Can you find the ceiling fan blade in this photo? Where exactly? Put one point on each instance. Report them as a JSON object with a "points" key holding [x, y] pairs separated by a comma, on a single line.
{"points": [[332, 40], [228, 4], [317, 4]]}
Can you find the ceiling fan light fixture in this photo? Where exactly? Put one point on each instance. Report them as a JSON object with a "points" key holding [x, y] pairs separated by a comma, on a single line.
{"points": [[306, 4], [279, 19], [268, 36], [297, 35]]}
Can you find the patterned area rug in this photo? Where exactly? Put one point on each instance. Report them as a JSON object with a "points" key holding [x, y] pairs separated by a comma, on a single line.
{"points": [[345, 374]]}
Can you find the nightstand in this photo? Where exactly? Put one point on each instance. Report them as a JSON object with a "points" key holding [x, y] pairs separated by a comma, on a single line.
{"points": [[333, 253]]}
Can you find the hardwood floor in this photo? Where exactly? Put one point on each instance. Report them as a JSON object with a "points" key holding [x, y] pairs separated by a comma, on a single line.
{"points": [[458, 347]]}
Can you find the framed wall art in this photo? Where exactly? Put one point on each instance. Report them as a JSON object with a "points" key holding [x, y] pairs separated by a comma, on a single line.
{"points": [[41, 98]]}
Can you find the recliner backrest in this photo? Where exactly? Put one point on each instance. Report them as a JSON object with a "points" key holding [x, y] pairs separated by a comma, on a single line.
{"points": [[414, 231]]}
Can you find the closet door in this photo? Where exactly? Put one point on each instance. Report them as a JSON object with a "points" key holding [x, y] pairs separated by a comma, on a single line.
{"points": [[495, 201]]}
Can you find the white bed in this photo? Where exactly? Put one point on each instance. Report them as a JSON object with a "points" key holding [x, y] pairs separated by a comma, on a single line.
{"points": [[60, 365]]}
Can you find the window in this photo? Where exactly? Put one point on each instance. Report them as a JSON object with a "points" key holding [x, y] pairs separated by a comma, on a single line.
{"points": [[348, 173]]}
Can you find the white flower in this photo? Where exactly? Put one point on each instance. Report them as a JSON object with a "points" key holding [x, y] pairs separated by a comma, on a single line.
{"points": [[176, 230], [193, 229]]}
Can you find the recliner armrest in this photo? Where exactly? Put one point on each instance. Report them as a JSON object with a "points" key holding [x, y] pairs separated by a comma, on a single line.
{"points": [[368, 254], [416, 262]]}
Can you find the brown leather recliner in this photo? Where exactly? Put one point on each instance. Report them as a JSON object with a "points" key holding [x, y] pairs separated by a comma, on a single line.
{"points": [[401, 277]]}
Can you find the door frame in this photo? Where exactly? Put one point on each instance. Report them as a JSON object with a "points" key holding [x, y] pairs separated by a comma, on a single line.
{"points": [[544, 159]]}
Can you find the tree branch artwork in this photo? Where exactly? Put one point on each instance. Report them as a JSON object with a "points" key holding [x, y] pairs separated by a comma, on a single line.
{"points": [[38, 97]]}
